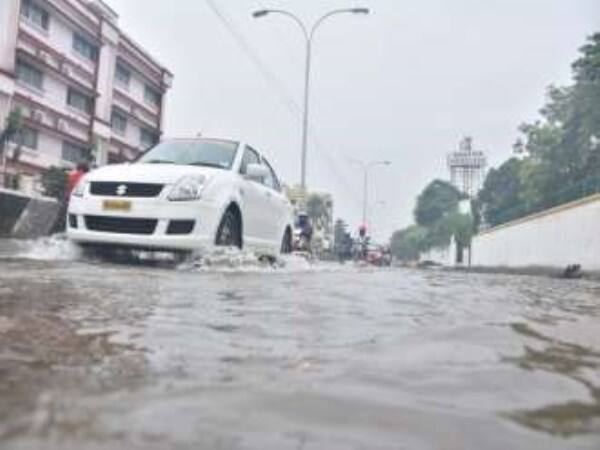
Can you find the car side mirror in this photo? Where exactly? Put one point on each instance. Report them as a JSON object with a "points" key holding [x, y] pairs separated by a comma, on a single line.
{"points": [[256, 172]]}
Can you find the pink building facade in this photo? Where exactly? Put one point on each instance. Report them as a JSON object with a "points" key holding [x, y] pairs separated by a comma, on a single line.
{"points": [[84, 88]]}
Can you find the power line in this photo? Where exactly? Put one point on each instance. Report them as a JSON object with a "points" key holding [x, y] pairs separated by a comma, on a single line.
{"points": [[284, 96], [287, 100]]}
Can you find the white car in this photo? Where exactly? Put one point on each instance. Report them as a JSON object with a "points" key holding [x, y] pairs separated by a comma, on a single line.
{"points": [[184, 195]]}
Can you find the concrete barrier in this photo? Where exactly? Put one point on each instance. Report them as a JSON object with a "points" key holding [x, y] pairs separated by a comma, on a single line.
{"points": [[22, 216], [555, 238]]}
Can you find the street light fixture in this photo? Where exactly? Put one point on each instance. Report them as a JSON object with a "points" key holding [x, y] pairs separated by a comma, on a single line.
{"points": [[308, 35]]}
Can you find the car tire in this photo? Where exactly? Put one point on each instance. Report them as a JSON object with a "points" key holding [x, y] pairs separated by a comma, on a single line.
{"points": [[286, 243], [229, 233]]}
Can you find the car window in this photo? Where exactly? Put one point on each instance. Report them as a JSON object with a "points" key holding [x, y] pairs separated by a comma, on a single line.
{"points": [[271, 179], [250, 157], [195, 152]]}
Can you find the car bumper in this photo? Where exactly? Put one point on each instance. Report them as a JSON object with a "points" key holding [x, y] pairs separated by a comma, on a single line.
{"points": [[205, 216]]}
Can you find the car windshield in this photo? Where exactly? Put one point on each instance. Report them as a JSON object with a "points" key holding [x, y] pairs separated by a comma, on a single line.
{"points": [[197, 152]]}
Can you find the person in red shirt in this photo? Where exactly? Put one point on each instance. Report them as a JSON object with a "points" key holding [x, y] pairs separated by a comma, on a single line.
{"points": [[73, 178]]}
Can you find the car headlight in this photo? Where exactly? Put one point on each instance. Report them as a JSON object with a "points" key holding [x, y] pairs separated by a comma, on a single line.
{"points": [[187, 188], [79, 189]]}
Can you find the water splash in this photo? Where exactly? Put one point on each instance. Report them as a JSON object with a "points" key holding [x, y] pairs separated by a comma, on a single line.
{"points": [[226, 260], [234, 260], [53, 248]]}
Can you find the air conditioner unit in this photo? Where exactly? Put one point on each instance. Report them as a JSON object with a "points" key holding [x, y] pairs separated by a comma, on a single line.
{"points": [[61, 125], [37, 116], [41, 54]]}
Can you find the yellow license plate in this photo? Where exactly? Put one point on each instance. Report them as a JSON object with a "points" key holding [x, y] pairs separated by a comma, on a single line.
{"points": [[116, 205]]}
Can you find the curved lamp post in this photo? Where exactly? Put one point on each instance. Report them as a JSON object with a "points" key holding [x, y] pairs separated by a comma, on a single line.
{"points": [[308, 35]]}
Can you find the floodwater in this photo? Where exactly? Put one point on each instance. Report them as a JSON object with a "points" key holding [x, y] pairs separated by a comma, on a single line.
{"points": [[227, 353]]}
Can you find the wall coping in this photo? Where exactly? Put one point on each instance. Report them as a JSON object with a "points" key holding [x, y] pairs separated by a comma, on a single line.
{"points": [[24, 195], [547, 212]]}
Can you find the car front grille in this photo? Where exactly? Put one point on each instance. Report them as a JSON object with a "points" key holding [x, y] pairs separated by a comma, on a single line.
{"points": [[123, 225], [115, 189]]}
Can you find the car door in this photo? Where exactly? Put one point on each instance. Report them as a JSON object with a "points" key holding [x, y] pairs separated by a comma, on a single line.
{"points": [[278, 205], [256, 202]]}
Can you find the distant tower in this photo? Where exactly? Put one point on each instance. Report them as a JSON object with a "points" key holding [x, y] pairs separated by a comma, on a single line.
{"points": [[467, 168]]}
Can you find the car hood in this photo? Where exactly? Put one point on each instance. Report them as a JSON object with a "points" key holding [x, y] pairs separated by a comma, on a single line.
{"points": [[148, 173]]}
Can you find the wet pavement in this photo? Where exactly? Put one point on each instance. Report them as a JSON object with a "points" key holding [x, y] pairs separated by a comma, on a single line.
{"points": [[227, 353]]}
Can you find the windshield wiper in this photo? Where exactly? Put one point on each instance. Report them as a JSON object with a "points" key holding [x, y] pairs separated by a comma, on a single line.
{"points": [[207, 164], [159, 161]]}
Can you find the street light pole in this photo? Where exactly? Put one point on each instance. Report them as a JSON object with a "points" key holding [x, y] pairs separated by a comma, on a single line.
{"points": [[367, 167], [305, 117], [308, 35]]}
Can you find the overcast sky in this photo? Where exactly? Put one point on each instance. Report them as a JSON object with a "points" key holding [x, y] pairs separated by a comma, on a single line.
{"points": [[404, 84]]}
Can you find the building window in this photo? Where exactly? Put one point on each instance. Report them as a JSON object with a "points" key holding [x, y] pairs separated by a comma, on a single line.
{"points": [[118, 122], [30, 75], [74, 153], [79, 101], [152, 96], [147, 138], [122, 75], [84, 47], [35, 14], [27, 137]]}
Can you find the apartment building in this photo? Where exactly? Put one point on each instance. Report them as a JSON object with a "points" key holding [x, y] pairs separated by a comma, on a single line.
{"points": [[86, 90]]}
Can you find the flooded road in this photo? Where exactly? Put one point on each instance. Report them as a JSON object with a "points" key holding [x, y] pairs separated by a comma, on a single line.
{"points": [[237, 355]]}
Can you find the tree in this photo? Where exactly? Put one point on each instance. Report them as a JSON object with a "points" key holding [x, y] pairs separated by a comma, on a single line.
{"points": [[54, 182], [562, 149], [12, 126], [501, 192], [438, 199], [407, 244], [564, 146], [318, 211]]}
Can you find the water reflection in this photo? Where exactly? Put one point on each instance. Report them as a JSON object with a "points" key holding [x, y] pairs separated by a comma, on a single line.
{"points": [[571, 360], [117, 355]]}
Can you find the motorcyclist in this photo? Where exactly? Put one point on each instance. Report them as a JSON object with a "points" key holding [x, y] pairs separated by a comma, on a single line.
{"points": [[362, 242], [306, 231]]}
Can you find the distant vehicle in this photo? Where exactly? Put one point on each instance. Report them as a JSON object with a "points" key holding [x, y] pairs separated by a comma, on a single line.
{"points": [[378, 255], [303, 231], [183, 195]]}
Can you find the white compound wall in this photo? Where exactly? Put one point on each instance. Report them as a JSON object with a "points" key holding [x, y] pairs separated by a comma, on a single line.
{"points": [[568, 234]]}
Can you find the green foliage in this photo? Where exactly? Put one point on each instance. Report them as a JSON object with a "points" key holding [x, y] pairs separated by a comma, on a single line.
{"points": [[438, 220], [13, 124], [54, 182], [407, 243], [462, 228], [563, 149], [437, 199], [501, 190], [318, 211]]}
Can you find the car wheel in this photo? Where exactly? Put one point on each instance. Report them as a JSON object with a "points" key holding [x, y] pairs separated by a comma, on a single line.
{"points": [[286, 244], [229, 233]]}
